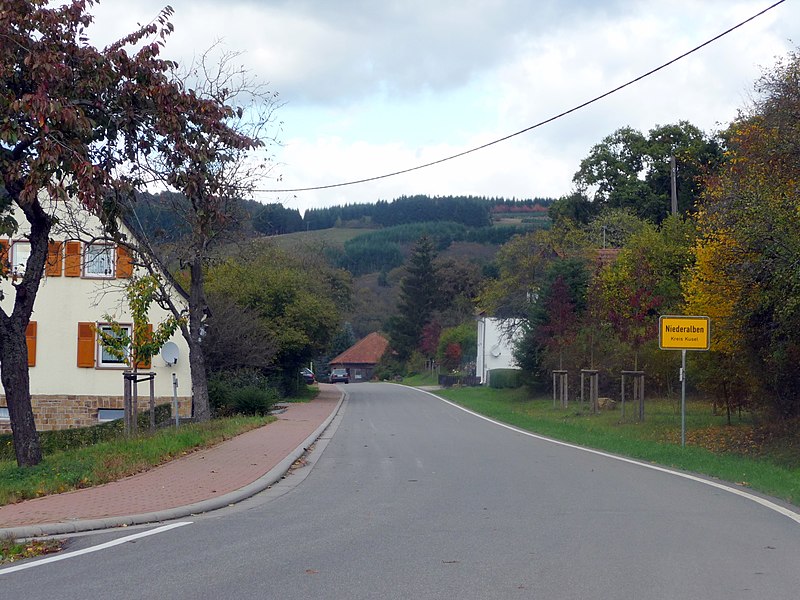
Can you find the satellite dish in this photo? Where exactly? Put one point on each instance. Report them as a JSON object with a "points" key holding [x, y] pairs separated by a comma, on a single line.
{"points": [[495, 351], [170, 353]]}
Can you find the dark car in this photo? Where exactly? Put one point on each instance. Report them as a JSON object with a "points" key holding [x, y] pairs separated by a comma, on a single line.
{"points": [[308, 376], [340, 375]]}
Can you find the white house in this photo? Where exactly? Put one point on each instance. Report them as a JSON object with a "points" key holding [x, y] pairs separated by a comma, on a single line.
{"points": [[75, 381], [496, 339]]}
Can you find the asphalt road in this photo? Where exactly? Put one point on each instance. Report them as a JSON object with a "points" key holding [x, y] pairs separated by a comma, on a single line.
{"points": [[413, 498]]}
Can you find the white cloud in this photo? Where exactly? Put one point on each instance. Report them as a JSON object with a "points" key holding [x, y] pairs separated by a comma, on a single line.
{"points": [[374, 87]]}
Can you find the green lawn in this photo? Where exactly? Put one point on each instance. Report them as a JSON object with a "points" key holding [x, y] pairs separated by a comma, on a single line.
{"points": [[735, 453]]}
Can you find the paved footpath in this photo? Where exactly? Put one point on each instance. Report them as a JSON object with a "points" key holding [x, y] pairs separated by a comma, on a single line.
{"points": [[204, 480]]}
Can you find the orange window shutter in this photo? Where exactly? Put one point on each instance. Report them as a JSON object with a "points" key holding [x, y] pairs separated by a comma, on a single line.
{"points": [[55, 251], [86, 344], [30, 338], [3, 257], [124, 264], [72, 260], [146, 364]]}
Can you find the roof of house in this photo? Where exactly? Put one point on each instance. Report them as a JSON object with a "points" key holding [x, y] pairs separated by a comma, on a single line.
{"points": [[367, 351]]}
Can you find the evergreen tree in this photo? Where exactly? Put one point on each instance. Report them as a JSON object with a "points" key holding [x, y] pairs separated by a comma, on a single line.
{"points": [[419, 297]]}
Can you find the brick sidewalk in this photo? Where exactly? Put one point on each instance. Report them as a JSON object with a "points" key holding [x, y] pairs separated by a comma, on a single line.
{"points": [[202, 475]]}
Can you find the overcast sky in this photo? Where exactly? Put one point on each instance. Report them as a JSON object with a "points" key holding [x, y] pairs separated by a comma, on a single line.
{"points": [[376, 86]]}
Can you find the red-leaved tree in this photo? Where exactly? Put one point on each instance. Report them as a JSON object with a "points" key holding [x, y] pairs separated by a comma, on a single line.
{"points": [[73, 118]]}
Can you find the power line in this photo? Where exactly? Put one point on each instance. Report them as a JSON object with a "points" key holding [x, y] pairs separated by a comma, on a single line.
{"points": [[532, 127]]}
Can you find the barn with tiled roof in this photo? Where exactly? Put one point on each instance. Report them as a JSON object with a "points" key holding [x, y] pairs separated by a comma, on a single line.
{"points": [[360, 358]]}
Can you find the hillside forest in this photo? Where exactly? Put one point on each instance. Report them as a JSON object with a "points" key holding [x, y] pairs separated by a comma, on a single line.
{"points": [[585, 277], [268, 291]]}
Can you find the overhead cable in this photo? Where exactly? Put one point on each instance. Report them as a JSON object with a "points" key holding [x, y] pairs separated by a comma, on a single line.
{"points": [[532, 127]]}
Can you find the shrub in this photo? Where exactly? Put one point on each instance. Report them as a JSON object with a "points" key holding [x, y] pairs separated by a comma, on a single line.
{"points": [[415, 364], [465, 336], [452, 356], [253, 401], [505, 378], [241, 392], [388, 368]]}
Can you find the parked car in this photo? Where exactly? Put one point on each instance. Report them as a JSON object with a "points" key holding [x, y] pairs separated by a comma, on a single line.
{"points": [[340, 375], [308, 376]]}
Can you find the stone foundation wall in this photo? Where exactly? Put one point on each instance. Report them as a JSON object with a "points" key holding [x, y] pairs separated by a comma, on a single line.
{"points": [[65, 412]]}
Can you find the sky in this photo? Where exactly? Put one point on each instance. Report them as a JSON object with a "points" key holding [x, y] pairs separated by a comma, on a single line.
{"points": [[370, 87]]}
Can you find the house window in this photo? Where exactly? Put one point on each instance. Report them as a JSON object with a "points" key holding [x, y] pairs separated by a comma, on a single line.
{"points": [[110, 414], [98, 261], [20, 251], [4, 416], [105, 358]]}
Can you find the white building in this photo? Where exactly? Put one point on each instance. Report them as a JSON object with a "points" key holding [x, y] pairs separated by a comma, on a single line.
{"points": [[74, 380], [496, 339]]}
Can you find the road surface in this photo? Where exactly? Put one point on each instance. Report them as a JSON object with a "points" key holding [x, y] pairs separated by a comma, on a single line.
{"points": [[413, 498]]}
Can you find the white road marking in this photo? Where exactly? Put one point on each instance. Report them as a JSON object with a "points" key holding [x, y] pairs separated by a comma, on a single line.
{"points": [[726, 488], [117, 542]]}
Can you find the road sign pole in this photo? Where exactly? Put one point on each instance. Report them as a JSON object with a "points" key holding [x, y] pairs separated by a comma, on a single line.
{"points": [[679, 332], [683, 398]]}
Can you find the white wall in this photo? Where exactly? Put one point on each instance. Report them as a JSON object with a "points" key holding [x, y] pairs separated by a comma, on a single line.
{"points": [[63, 302], [495, 349]]}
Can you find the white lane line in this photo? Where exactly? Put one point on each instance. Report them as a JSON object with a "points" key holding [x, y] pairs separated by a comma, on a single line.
{"points": [[794, 516], [117, 542]]}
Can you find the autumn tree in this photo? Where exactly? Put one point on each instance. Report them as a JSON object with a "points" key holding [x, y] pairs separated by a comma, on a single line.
{"points": [[712, 289], [553, 319], [204, 151], [645, 282], [746, 274], [429, 339], [71, 115]]}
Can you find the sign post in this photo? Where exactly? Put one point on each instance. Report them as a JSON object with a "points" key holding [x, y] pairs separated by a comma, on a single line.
{"points": [[684, 333]]}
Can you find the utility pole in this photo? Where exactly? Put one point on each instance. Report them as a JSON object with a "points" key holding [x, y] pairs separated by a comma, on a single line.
{"points": [[674, 186]]}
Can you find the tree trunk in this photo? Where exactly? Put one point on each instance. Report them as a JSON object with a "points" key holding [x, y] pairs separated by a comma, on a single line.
{"points": [[197, 362], [14, 369], [198, 308], [13, 345]]}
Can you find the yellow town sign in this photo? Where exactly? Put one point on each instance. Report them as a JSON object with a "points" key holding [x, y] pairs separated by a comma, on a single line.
{"points": [[684, 333]]}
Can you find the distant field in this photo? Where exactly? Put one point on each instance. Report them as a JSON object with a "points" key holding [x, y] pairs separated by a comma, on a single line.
{"points": [[336, 236], [518, 218]]}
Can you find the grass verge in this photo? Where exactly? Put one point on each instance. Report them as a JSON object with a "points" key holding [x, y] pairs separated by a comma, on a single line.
{"points": [[421, 379], [734, 453], [106, 461], [11, 551]]}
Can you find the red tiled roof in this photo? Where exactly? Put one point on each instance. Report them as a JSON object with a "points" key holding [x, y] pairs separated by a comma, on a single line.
{"points": [[367, 351]]}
